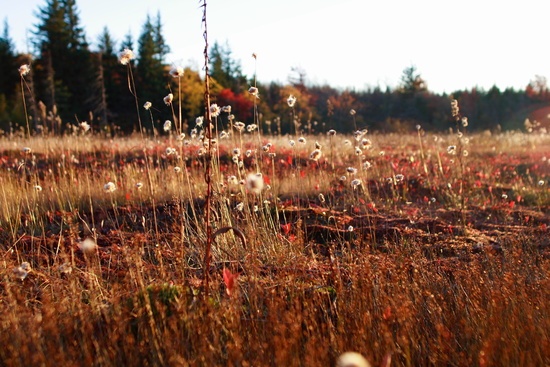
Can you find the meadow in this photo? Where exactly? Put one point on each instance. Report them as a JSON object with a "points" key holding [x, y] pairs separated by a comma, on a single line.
{"points": [[415, 249]]}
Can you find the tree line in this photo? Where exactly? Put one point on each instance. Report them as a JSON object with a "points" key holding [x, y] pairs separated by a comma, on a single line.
{"points": [[71, 82]]}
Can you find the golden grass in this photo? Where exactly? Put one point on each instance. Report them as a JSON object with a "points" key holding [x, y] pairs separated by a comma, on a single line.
{"points": [[379, 269]]}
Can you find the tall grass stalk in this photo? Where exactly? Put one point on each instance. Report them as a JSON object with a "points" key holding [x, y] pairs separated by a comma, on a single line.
{"points": [[208, 168], [24, 70], [133, 91]]}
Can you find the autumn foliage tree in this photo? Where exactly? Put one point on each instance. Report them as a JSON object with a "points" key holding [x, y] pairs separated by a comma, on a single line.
{"points": [[241, 105]]}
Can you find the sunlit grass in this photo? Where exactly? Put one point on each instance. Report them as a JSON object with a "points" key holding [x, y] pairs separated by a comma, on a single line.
{"points": [[392, 265]]}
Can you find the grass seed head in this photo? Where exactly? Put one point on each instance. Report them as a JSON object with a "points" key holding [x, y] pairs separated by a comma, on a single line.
{"points": [[65, 268], [87, 246], [255, 183], [291, 101], [168, 99], [315, 155], [176, 72], [254, 92], [22, 270], [126, 56], [239, 126], [215, 110], [352, 359], [85, 126], [24, 69], [109, 187]]}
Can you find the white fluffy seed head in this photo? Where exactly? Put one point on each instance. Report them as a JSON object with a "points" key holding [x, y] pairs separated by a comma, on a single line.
{"points": [[87, 246], [109, 187], [352, 359], [255, 183]]}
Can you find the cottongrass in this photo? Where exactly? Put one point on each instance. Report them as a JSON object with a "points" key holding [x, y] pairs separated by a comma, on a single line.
{"points": [[255, 183], [24, 69], [22, 270], [87, 246], [291, 101], [126, 56], [352, 359], [316, 155], [109, 187], [168, 99]]}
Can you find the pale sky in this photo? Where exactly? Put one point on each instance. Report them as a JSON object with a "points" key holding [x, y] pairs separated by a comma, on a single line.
{"points": [[344, 43]]}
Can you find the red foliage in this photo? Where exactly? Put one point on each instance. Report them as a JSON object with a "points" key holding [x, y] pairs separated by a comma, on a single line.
{"points": [[241, 105], [229, 279], [386, 315], [285, 228]]}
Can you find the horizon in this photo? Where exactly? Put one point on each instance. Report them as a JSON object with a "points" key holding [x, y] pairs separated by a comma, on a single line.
{"points": [[339, 49]]}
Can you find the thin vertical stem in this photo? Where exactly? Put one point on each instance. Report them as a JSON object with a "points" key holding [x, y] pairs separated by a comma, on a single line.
{"points": [[208, 171], [132, 86], [25, 107], [179, 106]]}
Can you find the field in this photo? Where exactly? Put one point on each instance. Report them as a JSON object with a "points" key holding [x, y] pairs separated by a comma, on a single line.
{"points": [[416, 249]]}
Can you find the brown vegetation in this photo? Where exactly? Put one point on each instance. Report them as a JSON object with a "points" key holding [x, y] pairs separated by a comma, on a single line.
{"points": [[431, 259]]}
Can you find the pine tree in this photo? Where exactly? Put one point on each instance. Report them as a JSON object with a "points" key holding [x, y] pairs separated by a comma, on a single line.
{"points": [[128, 42], [50, 39], [8, 75], [162, 48], [11, 108], [106, 44], [412, 82], [151, 73], [119, 96], [77, 38], [64, 66], [8, 68], [225, 70], [111, 84]]}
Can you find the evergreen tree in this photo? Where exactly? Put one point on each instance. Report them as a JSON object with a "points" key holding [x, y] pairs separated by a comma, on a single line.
{"points": [[412, 82], [151, 76], [105, 82], [8, 67], [64, 66], [120, 98], [162, 48], [117, 103], [412, 107], [51, 43], [106, 44], [8, 75], [225, 70], [128, 42], [77, 38]]}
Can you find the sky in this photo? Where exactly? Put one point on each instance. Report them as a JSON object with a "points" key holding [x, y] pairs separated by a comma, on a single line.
{"points": [[353, 44]]}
